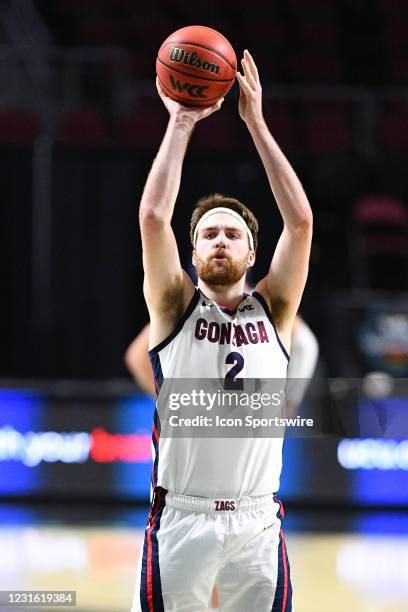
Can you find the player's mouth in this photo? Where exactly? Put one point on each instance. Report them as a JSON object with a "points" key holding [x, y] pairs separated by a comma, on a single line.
{"points": [[220, 257]]}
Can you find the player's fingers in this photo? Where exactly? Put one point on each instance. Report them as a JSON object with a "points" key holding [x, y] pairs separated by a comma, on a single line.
{"points": [[245, 68], [219, 104], [243, 83], [248, 75], [159, 88], [213, 108], [252, 65]]}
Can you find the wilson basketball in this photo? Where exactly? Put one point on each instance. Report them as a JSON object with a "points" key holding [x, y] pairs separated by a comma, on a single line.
{"points": [[196, 66]]}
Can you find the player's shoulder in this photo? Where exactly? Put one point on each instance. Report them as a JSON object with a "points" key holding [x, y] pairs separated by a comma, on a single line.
{"points": [[276, 309], [275, 305], [261, 294]]}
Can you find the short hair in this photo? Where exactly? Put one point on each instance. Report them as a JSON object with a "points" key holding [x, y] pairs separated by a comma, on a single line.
{"points": [[216, 200]]}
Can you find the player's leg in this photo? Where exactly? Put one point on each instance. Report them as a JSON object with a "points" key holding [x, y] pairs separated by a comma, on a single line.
{"points": [[178, 562], [257, 577]]}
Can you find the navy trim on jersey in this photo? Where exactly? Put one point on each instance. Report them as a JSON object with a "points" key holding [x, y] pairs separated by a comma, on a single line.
{"points": [[290, 591], [151, 597], [193, 303], [155, 466], [157, 372], [281, 512], [263, 303], [158, 381], [282, 602]]}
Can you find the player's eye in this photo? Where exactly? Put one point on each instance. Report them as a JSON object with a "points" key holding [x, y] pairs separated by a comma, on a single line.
{"points": [[210, 235]]}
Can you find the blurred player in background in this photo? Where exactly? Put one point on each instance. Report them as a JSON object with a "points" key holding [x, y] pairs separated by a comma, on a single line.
{"points": [[304, 353]]}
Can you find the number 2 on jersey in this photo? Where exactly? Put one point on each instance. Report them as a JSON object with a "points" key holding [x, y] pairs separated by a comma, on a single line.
{"points": [[231, 382]]}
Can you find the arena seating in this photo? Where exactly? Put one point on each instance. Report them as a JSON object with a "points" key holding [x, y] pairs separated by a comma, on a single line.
{"points": [[378, 241], [140, 130], [86, 127], [392, 131], [327, 126], [18, 127], [295, 43]]}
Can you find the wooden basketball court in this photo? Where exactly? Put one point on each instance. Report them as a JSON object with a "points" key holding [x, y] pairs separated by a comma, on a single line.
{"points": [[332, 572]]}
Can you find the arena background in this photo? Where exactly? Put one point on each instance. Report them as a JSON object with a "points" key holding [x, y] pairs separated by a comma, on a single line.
{"points": [[80, 122]]}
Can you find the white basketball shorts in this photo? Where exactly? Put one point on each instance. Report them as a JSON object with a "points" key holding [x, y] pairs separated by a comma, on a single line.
{"points": [[192, 543]]}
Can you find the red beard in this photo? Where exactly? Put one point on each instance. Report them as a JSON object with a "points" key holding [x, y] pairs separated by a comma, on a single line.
{"points": [[224, 273]]}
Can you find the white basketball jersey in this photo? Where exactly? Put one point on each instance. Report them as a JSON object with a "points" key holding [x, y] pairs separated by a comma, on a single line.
{"points": [[201, 347]]}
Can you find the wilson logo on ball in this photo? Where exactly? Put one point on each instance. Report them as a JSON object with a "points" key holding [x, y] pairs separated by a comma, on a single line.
{"points": [[195, 91], [179, 56]]}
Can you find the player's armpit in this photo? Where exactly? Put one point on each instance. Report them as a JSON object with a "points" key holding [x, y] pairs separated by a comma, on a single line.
{"points": [[286, 279], [166, 313], [172, 302]]}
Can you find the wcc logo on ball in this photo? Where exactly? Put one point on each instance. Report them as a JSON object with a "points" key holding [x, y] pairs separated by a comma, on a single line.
{"points": [[192, 59], [195, 91]]}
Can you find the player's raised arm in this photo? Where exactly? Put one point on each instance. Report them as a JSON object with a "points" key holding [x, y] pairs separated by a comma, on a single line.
{"points": [[167, 289], [283, 286]]}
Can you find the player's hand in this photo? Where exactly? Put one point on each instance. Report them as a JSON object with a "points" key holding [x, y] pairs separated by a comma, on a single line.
{"points": [[250, 91], [192, 113]]}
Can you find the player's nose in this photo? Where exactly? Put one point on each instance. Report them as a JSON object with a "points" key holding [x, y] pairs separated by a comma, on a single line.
{"points": [[220, 240]]}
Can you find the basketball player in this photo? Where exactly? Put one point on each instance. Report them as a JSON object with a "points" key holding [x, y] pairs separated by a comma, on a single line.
{"points": [[214, 516]]}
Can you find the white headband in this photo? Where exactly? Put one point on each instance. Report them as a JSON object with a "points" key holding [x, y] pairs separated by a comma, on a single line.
{"points": [[229, 211]]}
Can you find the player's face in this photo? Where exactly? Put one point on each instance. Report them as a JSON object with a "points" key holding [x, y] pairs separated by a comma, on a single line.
{"points": [[222, 255]]}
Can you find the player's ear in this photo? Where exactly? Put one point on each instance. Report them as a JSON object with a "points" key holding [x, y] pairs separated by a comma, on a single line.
{"points": [[251, 258], [193, 257]]}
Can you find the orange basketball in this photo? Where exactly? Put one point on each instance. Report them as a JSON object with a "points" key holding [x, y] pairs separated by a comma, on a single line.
{"points": [[196, 66]]}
